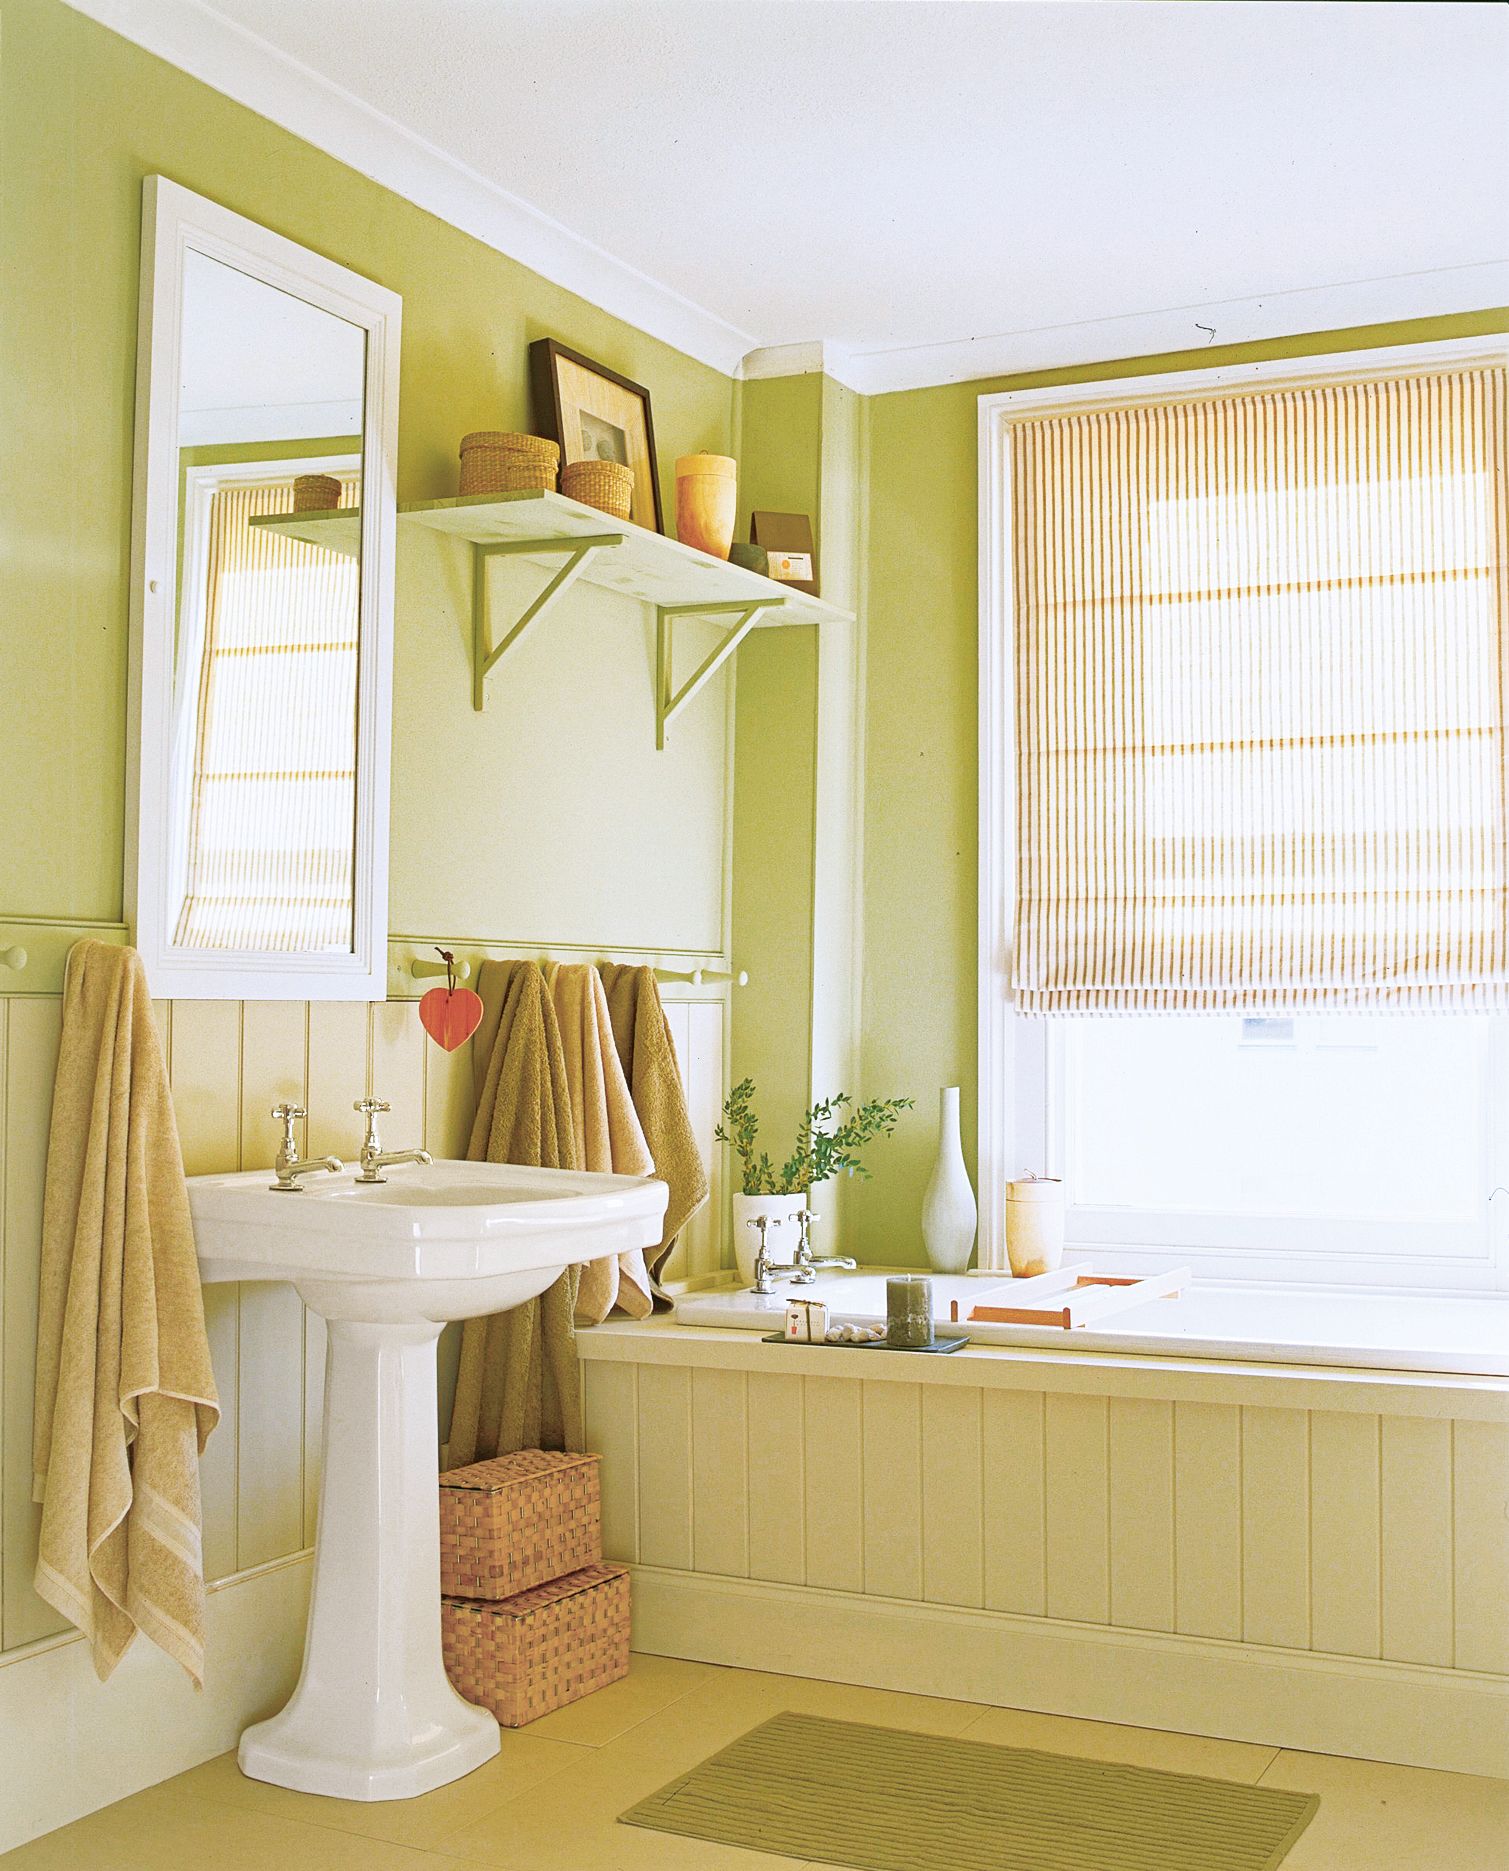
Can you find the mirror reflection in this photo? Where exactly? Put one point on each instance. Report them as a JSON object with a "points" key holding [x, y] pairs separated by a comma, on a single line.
{"points": [[264, 779]]}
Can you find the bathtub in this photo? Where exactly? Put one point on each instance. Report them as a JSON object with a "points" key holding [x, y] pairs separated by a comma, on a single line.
{"points": [[1387, 1330]]}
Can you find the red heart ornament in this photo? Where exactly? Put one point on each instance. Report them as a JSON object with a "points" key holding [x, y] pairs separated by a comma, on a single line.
{"points": [[450, 1015]]}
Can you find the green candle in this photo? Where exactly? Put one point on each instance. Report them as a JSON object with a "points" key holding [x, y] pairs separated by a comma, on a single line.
{"points": [[909, 1310]]}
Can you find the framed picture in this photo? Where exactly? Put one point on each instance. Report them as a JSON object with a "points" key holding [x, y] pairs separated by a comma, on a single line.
{"points": [[596, 415]]}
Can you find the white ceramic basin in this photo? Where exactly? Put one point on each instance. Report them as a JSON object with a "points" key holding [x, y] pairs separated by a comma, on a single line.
{"points": [[437, 1241], [373, 1716]]}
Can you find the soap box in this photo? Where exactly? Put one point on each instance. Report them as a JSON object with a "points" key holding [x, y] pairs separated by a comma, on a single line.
{"points": [[806, 1321]]}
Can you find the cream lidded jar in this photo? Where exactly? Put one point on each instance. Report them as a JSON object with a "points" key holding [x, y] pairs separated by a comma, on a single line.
{"points": [[1034, 1224]]}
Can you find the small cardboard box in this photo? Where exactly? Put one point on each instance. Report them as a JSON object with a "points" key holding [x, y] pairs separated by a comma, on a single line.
{"points": [[787, 538]]}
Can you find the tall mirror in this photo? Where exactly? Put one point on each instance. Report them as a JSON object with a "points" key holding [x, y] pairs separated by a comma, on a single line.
{"points": [[262, 647]]}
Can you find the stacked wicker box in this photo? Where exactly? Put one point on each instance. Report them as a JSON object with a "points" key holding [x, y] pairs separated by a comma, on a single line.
{"points": [[530, 1616]]}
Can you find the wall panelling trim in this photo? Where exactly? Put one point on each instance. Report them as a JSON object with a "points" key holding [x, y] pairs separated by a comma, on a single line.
{"points": [[1305, 1538], [229, 1062]]}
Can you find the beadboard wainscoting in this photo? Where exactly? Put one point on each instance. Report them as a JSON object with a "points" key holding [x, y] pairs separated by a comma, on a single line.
{"points": [[230, 1062], [1313, 1562]]}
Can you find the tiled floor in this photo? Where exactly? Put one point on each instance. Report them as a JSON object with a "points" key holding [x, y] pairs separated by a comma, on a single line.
{"points": [[549, 1802]]}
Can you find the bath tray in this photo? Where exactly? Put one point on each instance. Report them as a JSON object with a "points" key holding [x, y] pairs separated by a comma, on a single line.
{"points": [[875, 1344]]}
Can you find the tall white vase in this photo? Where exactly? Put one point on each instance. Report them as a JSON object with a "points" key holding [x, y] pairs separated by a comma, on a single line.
{"points": [[949, 1214]]}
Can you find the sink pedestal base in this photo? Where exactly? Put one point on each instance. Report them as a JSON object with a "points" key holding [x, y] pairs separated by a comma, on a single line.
{"points": [[374, 1716]]}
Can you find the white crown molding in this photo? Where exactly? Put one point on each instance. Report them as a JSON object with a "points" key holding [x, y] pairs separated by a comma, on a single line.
{"points": [[248, 70], [1182, 328], [819, 356]]}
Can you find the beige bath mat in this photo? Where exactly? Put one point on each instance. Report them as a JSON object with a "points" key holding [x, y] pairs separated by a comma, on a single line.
{"points": [[846, 1794]]}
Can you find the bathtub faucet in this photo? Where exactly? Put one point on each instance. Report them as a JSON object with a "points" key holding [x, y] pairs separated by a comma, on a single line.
{"points": [[805, 1264], [766, 1269]]}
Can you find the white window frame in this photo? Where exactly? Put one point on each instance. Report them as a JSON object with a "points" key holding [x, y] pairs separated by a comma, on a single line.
{"points": [[1021, 1103]]}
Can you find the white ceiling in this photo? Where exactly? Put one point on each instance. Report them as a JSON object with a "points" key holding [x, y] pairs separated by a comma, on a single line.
{"points": [[935, 189]]}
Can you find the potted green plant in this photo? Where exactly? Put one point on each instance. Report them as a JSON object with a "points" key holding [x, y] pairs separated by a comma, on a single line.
{"points": [[829, 1139]]}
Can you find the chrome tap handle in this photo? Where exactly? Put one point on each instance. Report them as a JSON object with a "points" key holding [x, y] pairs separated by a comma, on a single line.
{"points": [[288, 1115], [801, 1258], [369, 1108]]}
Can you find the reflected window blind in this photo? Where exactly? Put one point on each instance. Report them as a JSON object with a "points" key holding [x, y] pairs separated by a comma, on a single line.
{"points": [[1260, 701], [273, 812]]}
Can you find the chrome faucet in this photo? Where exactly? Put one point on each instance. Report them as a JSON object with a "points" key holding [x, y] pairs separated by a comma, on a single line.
{"points": [[805, 1264], [374, 1159], [289, 1165], [766, 1269]]}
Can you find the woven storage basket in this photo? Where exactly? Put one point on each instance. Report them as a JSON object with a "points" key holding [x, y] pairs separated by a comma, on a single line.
{"points": [[494, 461], [516, 1521], [315, 493], [606, 485], [537, 1651]]}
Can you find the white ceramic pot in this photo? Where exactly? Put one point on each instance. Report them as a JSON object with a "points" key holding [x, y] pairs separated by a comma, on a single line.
{"points": [[781, 1236], [1034, 1224], [949, 1214]]}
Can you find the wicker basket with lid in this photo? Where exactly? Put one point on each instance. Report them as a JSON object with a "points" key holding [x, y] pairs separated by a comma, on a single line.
{"points": [[606, 485], [316, 493], [542, 1648], [499, 461], [518, 1520]]}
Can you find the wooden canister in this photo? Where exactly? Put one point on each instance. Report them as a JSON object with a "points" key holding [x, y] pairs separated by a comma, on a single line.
{"points": [[1034, 1224], [707, 498]]}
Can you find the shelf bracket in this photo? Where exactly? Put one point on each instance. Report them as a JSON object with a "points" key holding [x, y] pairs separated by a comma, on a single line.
{"points": [[579, 554], [668, 702]]}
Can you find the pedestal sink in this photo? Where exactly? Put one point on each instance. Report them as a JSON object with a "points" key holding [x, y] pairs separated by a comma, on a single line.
{"points": [[373, 1716]]}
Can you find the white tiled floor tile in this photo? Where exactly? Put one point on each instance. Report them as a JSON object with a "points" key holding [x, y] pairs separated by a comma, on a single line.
{"points": [[1374, 1817], [521, 1765], [651, 1685], [162, 1830]]}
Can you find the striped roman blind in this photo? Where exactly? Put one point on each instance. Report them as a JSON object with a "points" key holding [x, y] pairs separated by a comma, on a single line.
{"points": [[272, 815], [1260, 700]]}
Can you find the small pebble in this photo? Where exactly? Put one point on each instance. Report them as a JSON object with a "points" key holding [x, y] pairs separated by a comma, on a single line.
{"points": [[855, 1334]]}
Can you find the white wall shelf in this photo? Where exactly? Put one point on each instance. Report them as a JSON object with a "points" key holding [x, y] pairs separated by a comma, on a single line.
{"points": [[337, 529], [572, 541], [575, 541]]}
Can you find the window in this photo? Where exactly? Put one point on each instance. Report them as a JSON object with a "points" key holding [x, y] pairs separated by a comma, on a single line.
{"points": [[1245, 854], [269, 655]]}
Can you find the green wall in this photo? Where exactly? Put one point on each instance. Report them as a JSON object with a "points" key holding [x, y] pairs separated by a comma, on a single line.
{"points": [[84, 115], [919, 894], [780, 463]]}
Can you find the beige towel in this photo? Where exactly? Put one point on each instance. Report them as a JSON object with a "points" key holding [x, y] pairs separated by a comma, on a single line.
{"points": [[125, 1397], [608, 1133], [519, 1385], [648, 1054]]}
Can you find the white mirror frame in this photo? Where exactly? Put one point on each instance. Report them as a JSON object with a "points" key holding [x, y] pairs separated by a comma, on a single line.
{"points": [[175, 222]]}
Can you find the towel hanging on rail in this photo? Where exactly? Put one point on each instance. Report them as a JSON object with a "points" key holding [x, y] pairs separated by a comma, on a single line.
{"points": [[608, 1131], [125, 1396], [519, 1384], [648, 1055]]}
